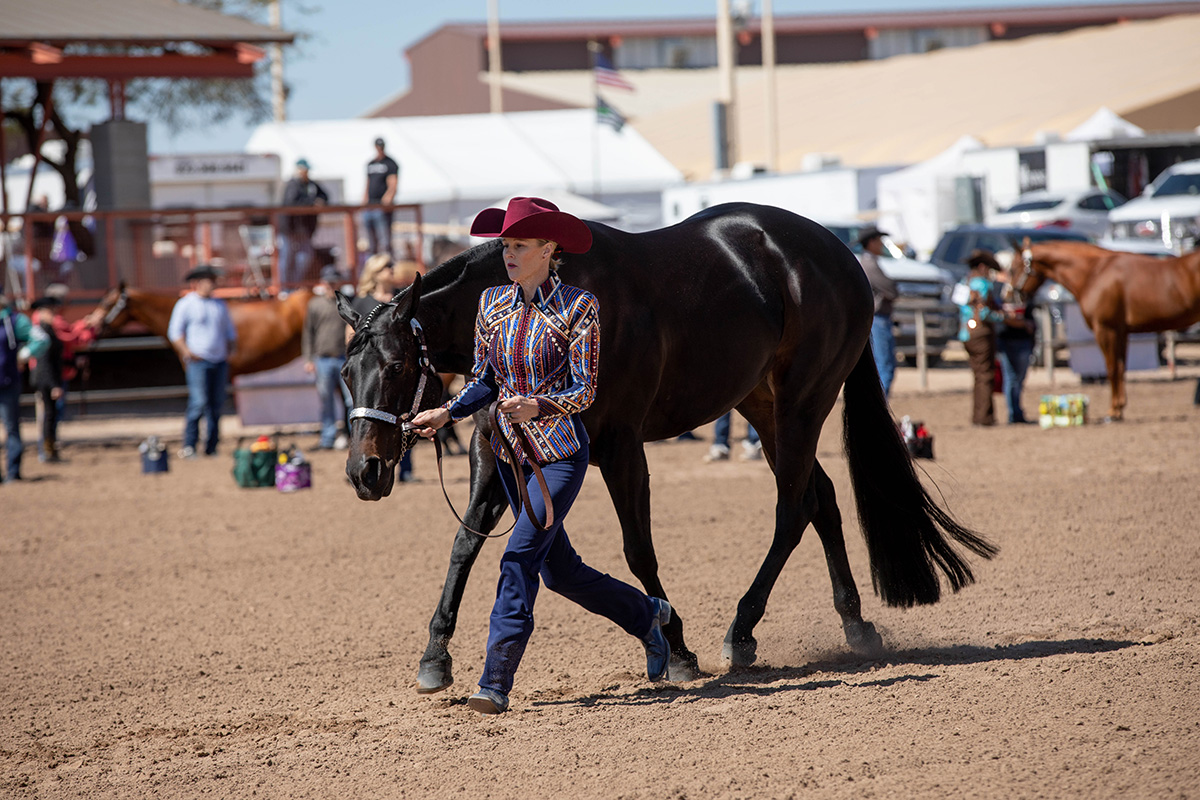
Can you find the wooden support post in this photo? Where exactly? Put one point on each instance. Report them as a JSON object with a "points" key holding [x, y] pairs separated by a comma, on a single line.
{"points": [[1170, 338], [922, 353], [1046, 327]]}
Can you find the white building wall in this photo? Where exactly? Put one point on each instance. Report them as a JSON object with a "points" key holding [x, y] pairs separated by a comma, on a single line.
{"points": [[829, 195], [1000, 169], [1068, 166]]}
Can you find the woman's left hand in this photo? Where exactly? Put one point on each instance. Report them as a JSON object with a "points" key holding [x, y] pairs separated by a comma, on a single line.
{"points": [[518, 408]]}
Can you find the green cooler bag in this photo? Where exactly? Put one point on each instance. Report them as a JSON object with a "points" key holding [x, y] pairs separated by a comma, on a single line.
{"points": [[254, 469]]}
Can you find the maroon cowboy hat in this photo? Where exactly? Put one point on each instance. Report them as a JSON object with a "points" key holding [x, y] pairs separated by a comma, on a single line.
{"points": [[534, 218]]}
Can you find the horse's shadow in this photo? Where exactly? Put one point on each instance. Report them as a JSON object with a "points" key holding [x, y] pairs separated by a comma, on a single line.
{"points": [[769, 681]]}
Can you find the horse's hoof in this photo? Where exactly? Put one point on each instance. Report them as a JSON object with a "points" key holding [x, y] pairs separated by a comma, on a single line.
{"points": [[684, 667], [434, 677], [863, 638]]}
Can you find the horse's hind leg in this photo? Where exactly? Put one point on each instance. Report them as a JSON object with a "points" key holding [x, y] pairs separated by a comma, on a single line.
{"points": [[622, 461], [860, 634], [797, 430], [487, 505]]}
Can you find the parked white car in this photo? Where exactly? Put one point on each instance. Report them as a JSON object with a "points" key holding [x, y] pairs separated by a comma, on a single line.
{"points": [[1085, 212], [1168, 211]]}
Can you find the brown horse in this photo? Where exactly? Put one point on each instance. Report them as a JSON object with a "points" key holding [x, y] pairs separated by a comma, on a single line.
{"points": [[268, 330], [1118, 294]]}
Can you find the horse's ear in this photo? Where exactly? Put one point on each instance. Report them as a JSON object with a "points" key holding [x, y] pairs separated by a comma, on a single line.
{"points": [[346, 311], [409, 300], [121, 286]]}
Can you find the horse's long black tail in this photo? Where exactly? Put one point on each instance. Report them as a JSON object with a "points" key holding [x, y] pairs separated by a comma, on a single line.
{"points": [[908, 534]]}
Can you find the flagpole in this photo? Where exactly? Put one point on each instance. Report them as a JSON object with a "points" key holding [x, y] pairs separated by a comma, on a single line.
{"points": [[495, 73], [593, 48]]}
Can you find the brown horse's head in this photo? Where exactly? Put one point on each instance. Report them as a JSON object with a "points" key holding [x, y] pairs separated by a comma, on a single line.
{"points": [[386, 369], [114, 310], [1027, 278]]}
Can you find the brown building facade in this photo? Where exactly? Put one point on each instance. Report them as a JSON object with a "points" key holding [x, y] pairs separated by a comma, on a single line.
{"points": [[447, 64]]}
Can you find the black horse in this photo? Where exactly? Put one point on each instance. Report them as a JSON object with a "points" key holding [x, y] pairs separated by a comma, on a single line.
{"points": [[740, 306]]}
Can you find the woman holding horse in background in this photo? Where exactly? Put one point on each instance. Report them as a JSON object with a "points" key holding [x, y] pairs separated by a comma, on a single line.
{"points": [[536, 354], [979, 316], [1014, 344]]}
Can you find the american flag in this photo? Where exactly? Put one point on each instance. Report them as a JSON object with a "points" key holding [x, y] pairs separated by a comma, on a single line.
{"points": [[607, 74]]}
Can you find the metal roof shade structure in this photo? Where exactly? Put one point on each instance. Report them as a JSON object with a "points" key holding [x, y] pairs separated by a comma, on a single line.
{"points": [[909, 108], [35, 34], [475, 158]]}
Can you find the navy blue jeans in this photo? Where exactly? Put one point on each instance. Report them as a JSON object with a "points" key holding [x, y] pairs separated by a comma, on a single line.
{"points": [[10, 416], [883, 345], [532, 552], [206, 397], [379, 230], [1014, 363], [330, 386], [721, 430]]}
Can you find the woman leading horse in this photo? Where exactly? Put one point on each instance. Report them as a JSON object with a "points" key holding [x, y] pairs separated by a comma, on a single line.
{"points": [[536, 352], [739, 306]]}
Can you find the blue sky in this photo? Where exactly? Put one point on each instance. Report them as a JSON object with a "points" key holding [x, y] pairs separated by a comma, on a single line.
{"points": [[355, 57]]}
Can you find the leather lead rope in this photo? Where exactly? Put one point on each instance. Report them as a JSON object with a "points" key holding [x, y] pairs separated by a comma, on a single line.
{"points": [[515, 463]]}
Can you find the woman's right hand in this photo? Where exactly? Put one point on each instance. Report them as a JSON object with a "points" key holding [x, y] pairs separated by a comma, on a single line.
{"points": [[426, 422]]}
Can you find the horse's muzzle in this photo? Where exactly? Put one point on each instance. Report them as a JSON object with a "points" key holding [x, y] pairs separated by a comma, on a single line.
{"points": [[372, 476]]}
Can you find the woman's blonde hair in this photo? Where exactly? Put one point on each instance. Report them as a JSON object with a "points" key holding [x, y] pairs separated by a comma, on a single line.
{"points": [[556, 258], [369, 278]]}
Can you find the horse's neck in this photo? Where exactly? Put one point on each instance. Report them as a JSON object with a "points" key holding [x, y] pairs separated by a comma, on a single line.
{"points": [[448, 308], [153, 311], [1073, 273]]}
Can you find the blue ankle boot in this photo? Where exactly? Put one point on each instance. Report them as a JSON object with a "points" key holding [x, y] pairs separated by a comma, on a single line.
{"points": [[658, 650]]}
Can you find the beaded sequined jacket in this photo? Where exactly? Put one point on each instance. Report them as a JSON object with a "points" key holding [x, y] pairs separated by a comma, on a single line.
{"points": [[547, 352]]}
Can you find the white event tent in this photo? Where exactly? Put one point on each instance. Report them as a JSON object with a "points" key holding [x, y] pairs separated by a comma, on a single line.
{"points": [[455, 165]]}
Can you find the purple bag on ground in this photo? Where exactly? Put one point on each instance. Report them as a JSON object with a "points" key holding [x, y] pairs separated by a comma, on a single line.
{"points": [[293, 472]]}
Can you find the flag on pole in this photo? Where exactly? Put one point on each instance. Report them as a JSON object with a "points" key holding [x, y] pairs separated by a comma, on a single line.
{"points": [[607, 74], [608, 115]]}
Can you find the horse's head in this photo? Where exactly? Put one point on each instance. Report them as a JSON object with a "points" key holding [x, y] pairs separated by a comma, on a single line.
{"points": [[113, 310], [1027, 278], [390, 379]]}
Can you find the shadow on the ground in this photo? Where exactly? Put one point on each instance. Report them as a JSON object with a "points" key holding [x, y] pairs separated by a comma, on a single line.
{"points": [[841, 671]]}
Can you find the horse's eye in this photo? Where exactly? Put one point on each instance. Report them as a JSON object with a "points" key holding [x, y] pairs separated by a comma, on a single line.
{"points": [[396, 368]]}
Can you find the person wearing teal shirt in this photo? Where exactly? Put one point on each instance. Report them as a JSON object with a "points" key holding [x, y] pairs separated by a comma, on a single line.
{"points": [[979, 315], [16, 347]]}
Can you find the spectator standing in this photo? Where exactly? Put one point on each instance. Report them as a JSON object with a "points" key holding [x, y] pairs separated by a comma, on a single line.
{"points": [[979, 315], [46, 377], [295, 241], [1014, 346], [383, 180], [15, 347], [719, 451], [323, 344], [883, 288], [202, 333]]}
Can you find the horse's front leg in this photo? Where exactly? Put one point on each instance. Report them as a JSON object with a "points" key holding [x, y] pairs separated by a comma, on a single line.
{"points": [[622, 461], [486, 506]]}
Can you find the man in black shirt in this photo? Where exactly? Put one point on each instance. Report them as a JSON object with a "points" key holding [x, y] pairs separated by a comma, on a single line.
{"points": [[383, 178], [295, 236]]}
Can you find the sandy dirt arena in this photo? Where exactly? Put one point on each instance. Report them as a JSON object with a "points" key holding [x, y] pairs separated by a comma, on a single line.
{"points": [[175, 636]]}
